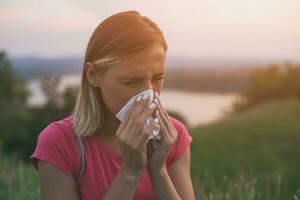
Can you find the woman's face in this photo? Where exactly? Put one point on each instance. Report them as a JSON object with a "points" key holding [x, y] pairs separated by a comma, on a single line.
{"points": [[144, 71]]}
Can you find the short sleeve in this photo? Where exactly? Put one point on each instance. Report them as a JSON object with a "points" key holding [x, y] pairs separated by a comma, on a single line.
{"points": [[54, 146], [182, 142]]}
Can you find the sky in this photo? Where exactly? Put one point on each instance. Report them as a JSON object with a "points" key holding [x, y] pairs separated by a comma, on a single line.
{"points": [[192, 28]]}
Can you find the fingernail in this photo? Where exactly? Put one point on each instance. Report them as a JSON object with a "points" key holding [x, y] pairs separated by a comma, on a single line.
{"points": [[152, 105], [145, 96], [139, 98], [156, 120], [156, 112]]}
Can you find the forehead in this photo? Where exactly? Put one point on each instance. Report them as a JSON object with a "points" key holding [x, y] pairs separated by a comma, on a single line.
{"points": [[148, 61]]}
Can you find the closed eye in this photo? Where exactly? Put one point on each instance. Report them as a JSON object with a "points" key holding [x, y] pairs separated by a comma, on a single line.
{"points": [[129, 83], [159, 78], [134, 82]]}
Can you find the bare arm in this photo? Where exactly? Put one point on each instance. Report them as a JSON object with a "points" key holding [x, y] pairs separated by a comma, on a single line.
{"points": [[55, 184], [123, 186], [163, 186], [174, 183], [179, 173]]}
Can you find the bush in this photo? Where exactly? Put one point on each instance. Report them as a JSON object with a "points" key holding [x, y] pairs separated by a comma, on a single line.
{"points": [[270, 83]]}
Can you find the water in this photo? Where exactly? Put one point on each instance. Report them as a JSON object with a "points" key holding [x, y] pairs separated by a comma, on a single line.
{"points": [[196, 108]]}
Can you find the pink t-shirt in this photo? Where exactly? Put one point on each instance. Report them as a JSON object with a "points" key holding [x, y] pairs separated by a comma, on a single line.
{"points": [[57, 144]]}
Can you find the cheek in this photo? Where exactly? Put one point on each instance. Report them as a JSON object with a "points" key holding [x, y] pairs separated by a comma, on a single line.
{"points": [[115, 97]]}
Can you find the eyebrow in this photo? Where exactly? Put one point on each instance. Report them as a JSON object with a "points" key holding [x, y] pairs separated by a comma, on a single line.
{"points": [[139, 77]]}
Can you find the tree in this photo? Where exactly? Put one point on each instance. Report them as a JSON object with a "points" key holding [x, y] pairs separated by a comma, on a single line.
{"points": [[270, 83], [20, 124], [49, 86], [14, 117], [13, 91]]}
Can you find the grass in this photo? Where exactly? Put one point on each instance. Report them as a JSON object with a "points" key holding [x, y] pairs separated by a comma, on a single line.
{"points": [[257, 150], [18, 181], [247, 156]]}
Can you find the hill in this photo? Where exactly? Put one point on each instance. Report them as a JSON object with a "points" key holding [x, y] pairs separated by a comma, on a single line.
{"points": [[262, 143]]}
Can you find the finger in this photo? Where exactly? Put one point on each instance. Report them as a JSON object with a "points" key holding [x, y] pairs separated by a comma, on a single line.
{"points": [[128, 128], [139, 105], [148, 112], [164, 117], [166, 114], [157, 100], [125, 122], [173, 133], [128, 113], [138, 110], [160, 104], [163, 130], [146, 134], [139, 123]]}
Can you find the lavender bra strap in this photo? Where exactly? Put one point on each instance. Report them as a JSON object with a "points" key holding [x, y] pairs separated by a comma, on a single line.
{"points": [[82, 158]]}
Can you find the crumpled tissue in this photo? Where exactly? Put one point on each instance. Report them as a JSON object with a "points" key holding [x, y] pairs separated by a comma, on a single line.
{"points": [[120, 115]]}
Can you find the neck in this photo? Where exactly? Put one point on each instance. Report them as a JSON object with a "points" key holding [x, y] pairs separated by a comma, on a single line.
{"points": [[110, 124]]}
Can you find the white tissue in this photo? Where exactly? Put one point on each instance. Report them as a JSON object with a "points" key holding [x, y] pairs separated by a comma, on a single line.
{"points": [[120, 115]]}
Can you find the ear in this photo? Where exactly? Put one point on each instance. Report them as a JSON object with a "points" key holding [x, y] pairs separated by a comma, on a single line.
{"points": [[92, 74]]}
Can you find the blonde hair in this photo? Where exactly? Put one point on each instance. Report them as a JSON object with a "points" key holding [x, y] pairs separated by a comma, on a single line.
{"points": [[118, 37]]}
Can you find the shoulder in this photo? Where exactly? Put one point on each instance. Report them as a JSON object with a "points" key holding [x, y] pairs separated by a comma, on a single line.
{"points": [[58, 132], [57, 145], [182, 142]]}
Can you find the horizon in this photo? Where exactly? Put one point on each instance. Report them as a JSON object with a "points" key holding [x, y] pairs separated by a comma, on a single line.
{"points": [[235, 29], [171, 57]]}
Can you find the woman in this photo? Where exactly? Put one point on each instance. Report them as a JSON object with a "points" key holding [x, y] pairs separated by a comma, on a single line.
{"points": [[125, 56]]}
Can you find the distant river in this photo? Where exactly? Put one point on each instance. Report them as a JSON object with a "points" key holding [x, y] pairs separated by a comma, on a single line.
{"points": [[196, 108]]}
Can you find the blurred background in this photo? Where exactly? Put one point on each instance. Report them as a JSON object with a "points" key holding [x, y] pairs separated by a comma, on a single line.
{"points": [[233, 78]]}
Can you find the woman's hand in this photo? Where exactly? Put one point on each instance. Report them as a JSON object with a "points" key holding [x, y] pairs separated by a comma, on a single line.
{"points": [[158, 156], [133, 138]]}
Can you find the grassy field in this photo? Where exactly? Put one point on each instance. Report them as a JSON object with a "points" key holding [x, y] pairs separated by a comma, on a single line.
{"points": [[18, 181], [251, 155]]}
